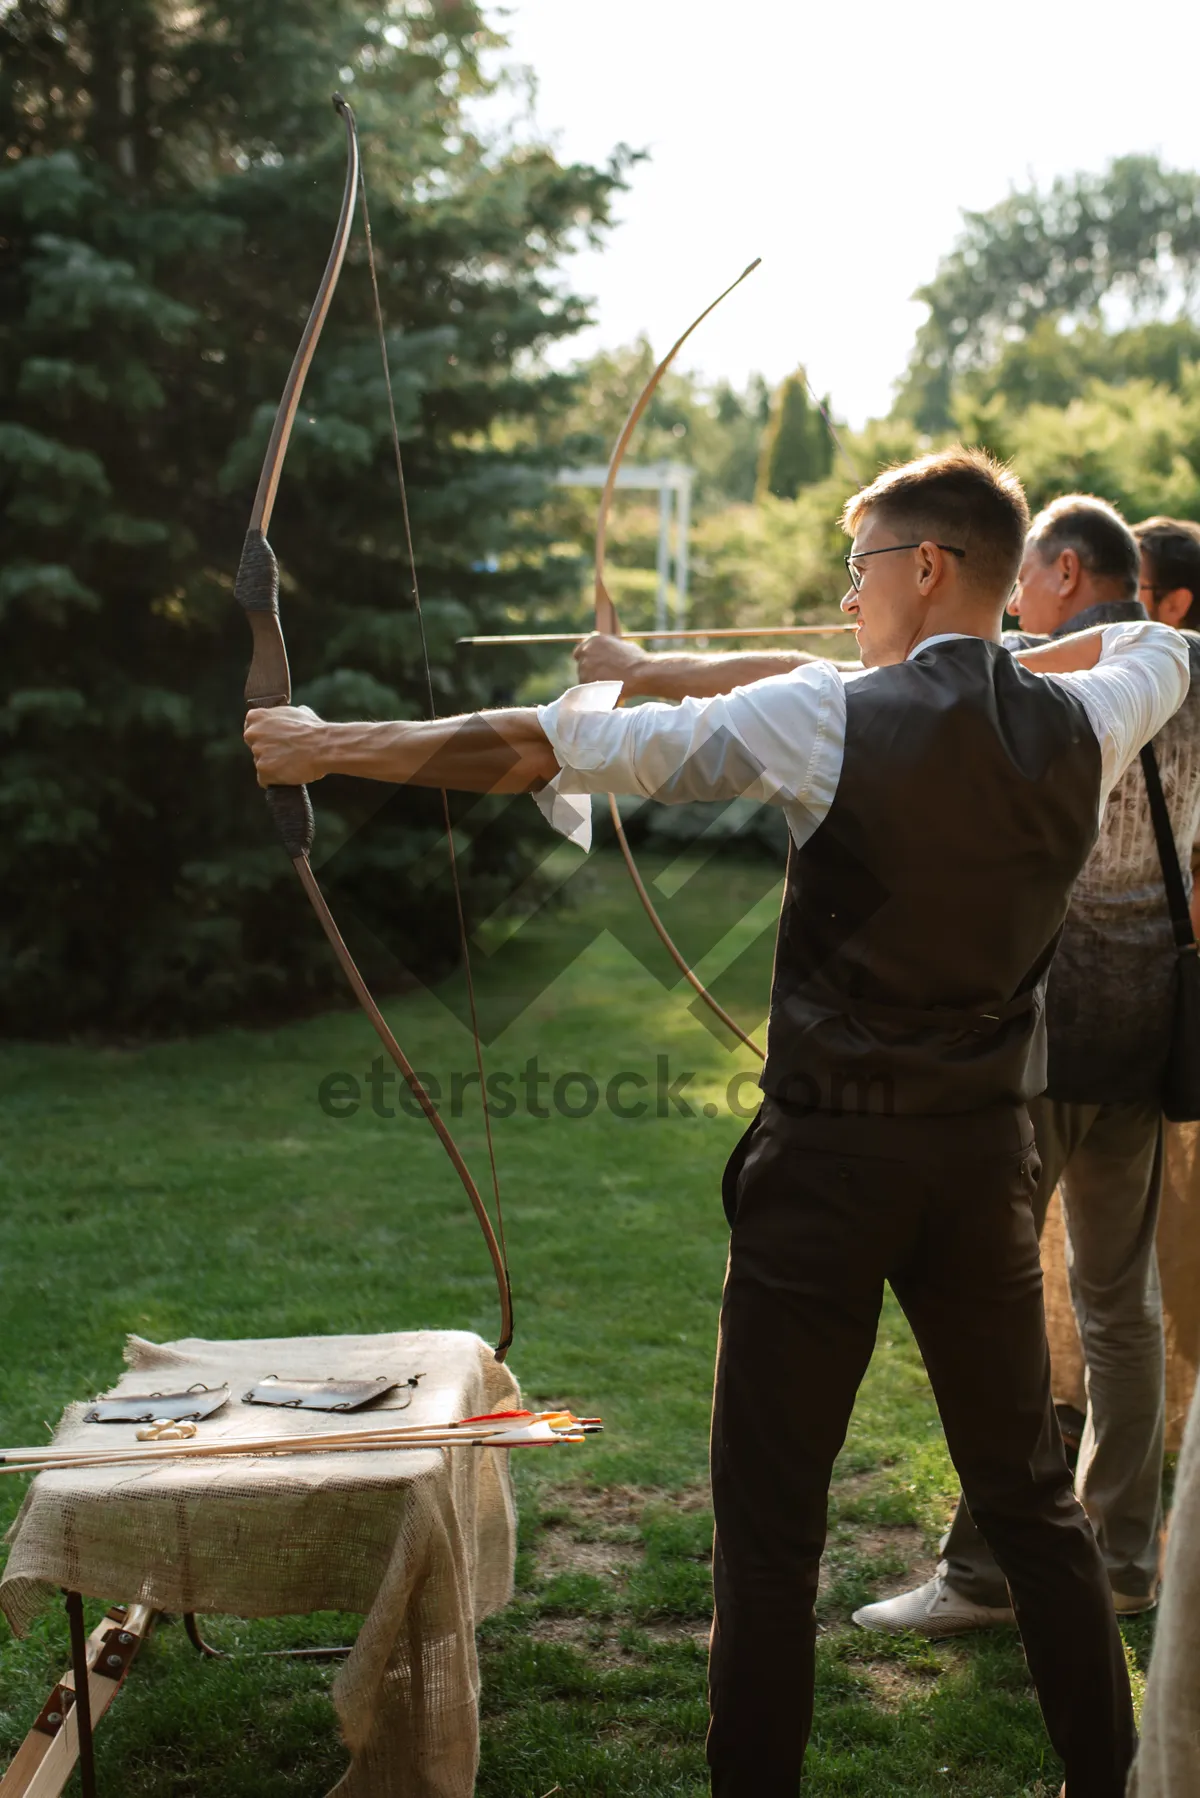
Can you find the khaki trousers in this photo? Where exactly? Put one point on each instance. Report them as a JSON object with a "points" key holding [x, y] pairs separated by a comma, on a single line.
{"points": [[1107, 1161]]}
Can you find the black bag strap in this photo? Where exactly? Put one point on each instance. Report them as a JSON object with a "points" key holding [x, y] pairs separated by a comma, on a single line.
{"points": [[1168, 855]]}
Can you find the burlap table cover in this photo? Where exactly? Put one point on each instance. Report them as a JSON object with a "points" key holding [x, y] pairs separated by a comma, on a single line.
{"points": [[422, 1543], [1179, 1267]]}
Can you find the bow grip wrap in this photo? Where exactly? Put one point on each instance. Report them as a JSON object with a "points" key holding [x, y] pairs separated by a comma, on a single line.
{"points": [[292, 814], [256, 590], [269, 681]]}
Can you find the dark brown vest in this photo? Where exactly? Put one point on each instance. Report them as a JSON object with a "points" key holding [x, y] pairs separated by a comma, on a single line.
{"points": [[922, 915]]}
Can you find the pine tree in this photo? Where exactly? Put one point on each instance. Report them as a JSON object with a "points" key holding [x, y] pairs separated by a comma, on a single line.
{"points": [[171, 182], [796, 446]]}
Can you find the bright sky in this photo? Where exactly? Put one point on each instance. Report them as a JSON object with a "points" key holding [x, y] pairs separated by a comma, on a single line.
{"points": [[839, 143]]}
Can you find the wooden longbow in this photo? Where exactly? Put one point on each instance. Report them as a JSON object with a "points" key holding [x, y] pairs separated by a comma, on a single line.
{"points": [[608, 622], [269, 684]]}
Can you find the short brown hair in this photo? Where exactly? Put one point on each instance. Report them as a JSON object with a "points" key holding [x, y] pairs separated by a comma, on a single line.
{"points": [[1171, 547], [1096, 532], [957, 496]]}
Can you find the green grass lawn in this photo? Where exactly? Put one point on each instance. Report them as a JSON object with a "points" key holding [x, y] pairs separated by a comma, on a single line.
{"points": [[198, 1188]]}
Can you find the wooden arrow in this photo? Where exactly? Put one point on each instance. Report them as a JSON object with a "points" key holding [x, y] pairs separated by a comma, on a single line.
{"points": [[757, 630]]}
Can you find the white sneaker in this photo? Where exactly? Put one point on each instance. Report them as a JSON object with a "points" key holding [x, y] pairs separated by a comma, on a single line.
{"points": [[934, 1609], [1125, 1606]]}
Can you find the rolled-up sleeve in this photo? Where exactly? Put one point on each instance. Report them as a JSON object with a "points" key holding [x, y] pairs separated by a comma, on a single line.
{"points": [[1139, 682], [779, 741]]}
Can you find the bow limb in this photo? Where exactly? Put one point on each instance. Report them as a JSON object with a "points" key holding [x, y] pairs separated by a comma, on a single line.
{"points": [[606, 612], [416, 1087], [608, 623], [257, 587], [269, 684]]}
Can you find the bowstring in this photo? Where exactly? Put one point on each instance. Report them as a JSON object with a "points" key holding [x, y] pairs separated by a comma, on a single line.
{"points": [[433, 712], [842, 451]]}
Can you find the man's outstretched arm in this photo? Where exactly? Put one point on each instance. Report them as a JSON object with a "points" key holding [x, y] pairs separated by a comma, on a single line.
{"points": [[1064, 655], [1130, 679], [486, 752], [655, 675], [775, 741]]}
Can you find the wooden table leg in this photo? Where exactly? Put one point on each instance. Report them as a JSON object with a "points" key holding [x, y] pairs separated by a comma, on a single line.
{"points": [[46, 1758]]}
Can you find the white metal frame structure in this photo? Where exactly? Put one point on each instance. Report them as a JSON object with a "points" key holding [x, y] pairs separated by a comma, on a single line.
{"points": [[672, 481]]}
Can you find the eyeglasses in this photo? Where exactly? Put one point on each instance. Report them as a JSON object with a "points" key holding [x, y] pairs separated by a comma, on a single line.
{"points": [[856, 579]]}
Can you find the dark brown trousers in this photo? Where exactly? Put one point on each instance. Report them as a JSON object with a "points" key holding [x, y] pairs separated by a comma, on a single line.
{"points": [[823, 1212]]}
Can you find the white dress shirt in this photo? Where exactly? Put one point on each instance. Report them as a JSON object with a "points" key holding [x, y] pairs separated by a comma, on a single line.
{"points": [[781, 740]]}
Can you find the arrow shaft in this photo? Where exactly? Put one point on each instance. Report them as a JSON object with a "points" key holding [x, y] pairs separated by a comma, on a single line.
{"points": [[757, 630]]}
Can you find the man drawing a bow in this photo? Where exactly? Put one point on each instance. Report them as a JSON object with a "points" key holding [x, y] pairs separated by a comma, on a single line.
{"points": [[940, 802]]}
